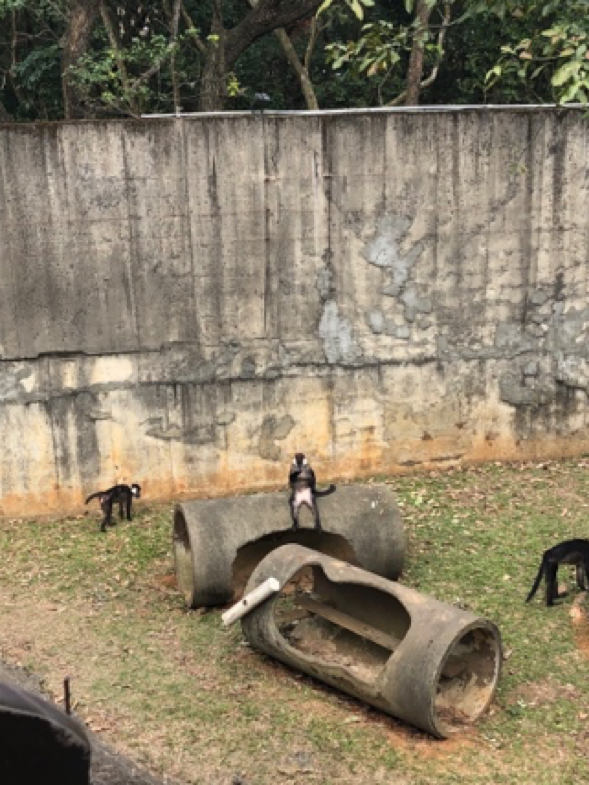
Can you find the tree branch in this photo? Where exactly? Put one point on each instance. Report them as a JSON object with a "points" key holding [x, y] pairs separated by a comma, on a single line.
{"points": [[311, 43], [300, 68], [114, 43], [81, 17], [264, 18], [155, 67], [198, 42]]}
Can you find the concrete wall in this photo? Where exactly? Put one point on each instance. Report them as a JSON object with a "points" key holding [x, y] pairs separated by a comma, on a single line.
{"points": [[185, 302]]}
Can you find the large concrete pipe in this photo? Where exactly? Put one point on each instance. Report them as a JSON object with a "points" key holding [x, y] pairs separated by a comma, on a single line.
{"points": [[218, 542], [423, 661]]}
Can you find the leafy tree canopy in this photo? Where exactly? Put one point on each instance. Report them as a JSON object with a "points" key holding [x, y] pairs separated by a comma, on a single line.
{"points": [[93, 58]]}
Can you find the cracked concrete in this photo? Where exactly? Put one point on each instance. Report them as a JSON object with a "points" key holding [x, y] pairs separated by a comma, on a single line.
{"points": [[385, 250], [319, 292], [337, 335], [274, 429]]}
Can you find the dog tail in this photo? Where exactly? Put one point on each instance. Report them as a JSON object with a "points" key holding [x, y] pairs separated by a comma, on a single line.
{"points": [[534, 588], [326, 492], [93, 496]]}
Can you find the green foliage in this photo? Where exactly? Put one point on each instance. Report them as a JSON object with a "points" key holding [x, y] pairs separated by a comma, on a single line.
{"points": [[101, 79], [356, 6], [8, 6], [555, 50], [377, 50], [30, 58], [537, 53], [502, 51], [38, 66], [233, 86], [44, 11], [382, 50]]}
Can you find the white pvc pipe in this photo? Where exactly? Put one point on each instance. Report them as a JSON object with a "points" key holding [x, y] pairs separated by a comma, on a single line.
{"points": [[250, 601]]}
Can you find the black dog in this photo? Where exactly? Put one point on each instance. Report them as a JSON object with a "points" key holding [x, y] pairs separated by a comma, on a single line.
{"points": [[121, 494]]}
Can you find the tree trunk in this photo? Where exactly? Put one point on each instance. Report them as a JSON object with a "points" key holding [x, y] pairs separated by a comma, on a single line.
{"points": [[80, 22], [213, 84], [415, 70], [213, 87], [401, 98], [4, 116]]}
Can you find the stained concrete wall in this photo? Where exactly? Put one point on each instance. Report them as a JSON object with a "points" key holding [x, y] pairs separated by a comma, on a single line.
{"points": [[185, 302]]}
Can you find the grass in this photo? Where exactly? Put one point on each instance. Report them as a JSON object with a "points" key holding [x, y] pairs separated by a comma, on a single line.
{"points": [[185, 696]]}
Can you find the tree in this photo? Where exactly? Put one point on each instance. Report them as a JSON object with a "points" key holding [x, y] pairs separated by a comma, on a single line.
{"points": [[195, 48], [543, 45], [225, 45], [405, 38], [88, 58], [299, 65], [30, 59], [415, 81]]}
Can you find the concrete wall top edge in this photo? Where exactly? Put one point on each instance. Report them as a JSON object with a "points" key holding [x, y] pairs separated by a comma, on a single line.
{"points": [[275, 113]]}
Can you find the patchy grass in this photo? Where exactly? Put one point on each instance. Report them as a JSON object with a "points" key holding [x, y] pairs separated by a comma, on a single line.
{"points": [[189, 699]]}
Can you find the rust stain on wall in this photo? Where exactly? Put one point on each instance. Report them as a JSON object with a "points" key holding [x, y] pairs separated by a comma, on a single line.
{"points": [[366, 463]]}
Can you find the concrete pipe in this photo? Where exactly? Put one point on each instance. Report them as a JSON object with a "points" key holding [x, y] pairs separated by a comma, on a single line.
{"points": [[218, 542], [420, 660]]}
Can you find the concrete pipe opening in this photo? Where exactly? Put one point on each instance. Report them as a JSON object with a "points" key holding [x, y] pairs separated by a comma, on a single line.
{"points": [[183, 558], [251, 554], [355, 628], [467, 679]]}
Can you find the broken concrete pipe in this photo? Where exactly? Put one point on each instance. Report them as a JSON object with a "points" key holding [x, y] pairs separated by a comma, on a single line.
{"points": [[218, 542], [423, 661]]}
